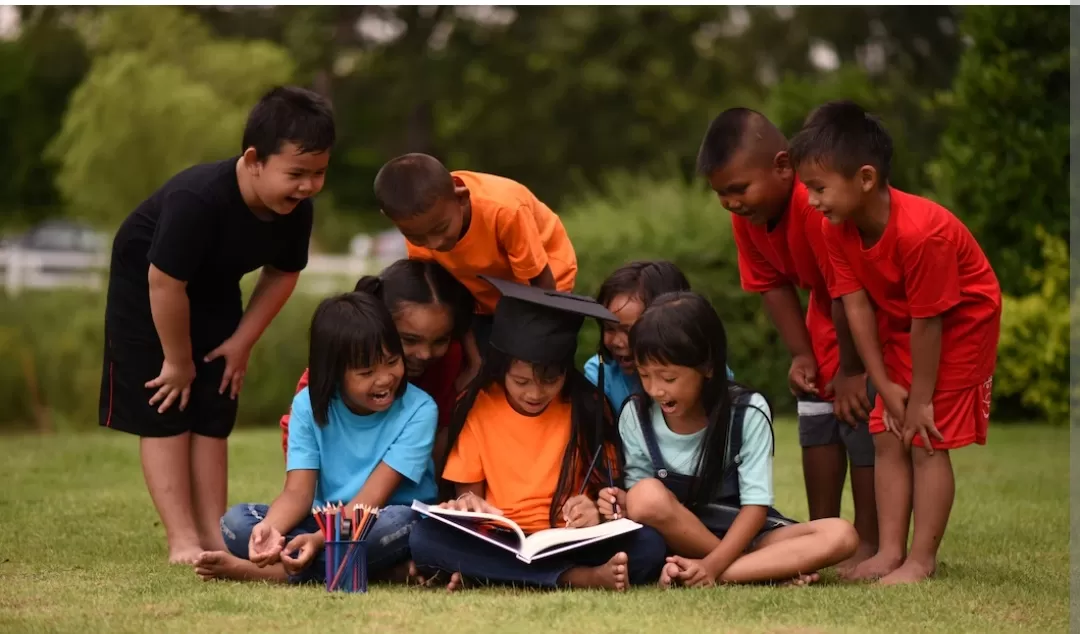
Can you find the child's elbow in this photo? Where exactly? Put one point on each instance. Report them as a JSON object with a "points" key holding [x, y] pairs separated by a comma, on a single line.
{"points": [[162, 281]]}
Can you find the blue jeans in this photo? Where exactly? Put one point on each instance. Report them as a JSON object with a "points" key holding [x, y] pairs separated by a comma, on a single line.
{"points": [[437, 547], [388, 542]]}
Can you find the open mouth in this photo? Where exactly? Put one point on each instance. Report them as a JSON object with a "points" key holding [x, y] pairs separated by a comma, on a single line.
{"points": [[381, 399], [667, 406], [293, 200]]}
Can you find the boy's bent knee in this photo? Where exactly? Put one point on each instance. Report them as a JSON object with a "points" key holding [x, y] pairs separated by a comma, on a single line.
{"points": [[650, 502], [840, 535]]}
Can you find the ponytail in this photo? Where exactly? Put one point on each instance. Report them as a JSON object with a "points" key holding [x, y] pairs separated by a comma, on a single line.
{"points": [[370, 284]]}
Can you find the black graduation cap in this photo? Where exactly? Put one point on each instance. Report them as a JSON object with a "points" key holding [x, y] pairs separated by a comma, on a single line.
{"points": [[538, 325]]}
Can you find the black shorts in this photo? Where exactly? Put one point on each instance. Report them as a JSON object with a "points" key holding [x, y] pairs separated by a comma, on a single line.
{"points": [[125, 401]]}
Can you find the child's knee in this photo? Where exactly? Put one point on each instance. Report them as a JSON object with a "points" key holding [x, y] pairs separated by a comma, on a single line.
{"points": [[236, 526], [840, 535], [650, 502]]}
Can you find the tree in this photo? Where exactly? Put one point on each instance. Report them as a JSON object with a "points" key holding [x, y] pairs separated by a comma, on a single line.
{"points": [[1005, 154], [161, 94]]}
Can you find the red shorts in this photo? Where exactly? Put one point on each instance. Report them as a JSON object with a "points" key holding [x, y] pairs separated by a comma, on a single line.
{"points": [[962, 416]]}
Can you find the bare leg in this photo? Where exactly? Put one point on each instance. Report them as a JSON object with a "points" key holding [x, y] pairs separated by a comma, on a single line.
{"points": [[866, 521], [649, 502], [610, 576], [166, 467], [225, 565], [824, 469], [790, 552], [209, 488], [935, 488], [893, 484]]}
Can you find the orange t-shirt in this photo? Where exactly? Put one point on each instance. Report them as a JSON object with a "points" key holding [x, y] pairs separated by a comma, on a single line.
{"points": [[511, 236], [517, 457]]}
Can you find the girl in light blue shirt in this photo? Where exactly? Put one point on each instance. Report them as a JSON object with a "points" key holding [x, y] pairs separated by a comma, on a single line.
{"points": [[359, 434], [698, 451], [627, 293]]}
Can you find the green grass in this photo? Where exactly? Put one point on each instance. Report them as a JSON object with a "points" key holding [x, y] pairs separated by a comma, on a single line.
{"points": [[81, 551]]}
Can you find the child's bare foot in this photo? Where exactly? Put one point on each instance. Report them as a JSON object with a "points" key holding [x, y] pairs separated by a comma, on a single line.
{"points": [[610, 576], [911, 571], [865, 551], [669, 576], [874, 568], [224, 565], [802, 580], [456, 583], [185, 554]]}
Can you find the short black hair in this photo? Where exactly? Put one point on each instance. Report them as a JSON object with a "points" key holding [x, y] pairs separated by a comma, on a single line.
{"points": [[727, 134], [348, 331], [422, 282], [643, 280], [409, 185], [289, 114], [844, 136]]}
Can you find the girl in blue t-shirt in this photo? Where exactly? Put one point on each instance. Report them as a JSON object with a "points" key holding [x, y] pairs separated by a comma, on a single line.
{"points": [[359, 434], [699, 453], [627, 293]]}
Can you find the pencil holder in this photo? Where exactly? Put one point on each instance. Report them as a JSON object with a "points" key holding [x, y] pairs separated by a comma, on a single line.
{"points": [[346, 566]]}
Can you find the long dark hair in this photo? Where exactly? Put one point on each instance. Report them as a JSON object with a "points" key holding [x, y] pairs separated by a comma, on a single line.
{"points": [[585, 438], [348, 331], [684, 329], [644, 280], [421, 282]]}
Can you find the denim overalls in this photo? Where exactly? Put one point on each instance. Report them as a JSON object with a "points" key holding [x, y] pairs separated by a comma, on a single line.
{"points": [[718, 515]]}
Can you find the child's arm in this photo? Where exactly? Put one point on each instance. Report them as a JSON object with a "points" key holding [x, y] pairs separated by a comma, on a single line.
{"points": [[851, 403], [863, 324], [290, 507], [786, 313], [271, 292], [171, 312], [925, 358], [546, 279]]}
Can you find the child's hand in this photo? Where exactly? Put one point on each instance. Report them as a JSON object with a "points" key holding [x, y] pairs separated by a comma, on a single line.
{"points": [[850, 403], [472, 503], [579, 512], [920, 420], [265, 544], [608, 499], [306, 547], [173, 382], [236, 353], [895, 399], [802, 376]]}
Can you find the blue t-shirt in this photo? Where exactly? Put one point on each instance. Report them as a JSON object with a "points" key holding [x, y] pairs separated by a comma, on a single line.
{"points": [[349, 447], [680, 451], [618, 386]]}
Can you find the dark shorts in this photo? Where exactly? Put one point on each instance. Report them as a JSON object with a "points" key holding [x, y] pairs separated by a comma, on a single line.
{"points": [[124, 403], [819, 426]]}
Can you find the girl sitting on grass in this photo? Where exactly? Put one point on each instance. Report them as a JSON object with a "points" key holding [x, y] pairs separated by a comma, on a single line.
{"points": [[522, 443], [431, 311], [627, 293], [699, 461], [359, 434]]}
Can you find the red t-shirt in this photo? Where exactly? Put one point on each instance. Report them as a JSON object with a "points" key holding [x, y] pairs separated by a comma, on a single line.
{"points": [[437, 381], [926, 264], [793, 253]]}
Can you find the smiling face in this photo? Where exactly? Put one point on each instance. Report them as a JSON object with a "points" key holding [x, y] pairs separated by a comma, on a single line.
{"points": [[284, 179], [373, 389], [527, 391], [838, 198], [752, 186], [676, 388], [617, 336], [425, 331]]}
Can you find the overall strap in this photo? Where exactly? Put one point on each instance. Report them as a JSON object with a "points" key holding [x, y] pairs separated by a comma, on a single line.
{"points": [[645, 422]]}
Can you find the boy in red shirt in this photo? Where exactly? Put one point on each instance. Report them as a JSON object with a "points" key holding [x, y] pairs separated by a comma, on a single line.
{"points": [[781, 248], [476, 224], [930, 349]]}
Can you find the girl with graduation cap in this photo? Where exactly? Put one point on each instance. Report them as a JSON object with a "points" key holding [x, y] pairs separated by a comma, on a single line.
{"points": [[522, 441]]}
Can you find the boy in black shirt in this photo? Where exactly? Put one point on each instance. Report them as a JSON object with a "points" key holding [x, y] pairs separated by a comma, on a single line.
{"points": [[177, 338]]}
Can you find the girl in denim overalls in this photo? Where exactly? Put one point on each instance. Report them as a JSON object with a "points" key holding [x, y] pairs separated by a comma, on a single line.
{"points": [[699, 461]]}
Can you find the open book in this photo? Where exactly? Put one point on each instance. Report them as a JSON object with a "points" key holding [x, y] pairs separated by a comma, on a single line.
{"points": [[505, 533]]}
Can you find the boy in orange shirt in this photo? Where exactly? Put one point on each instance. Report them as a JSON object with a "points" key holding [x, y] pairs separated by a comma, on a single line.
{"points": [[476, 224]]}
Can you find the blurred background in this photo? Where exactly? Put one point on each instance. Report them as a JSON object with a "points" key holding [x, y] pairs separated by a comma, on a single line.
{"points": [[599, 110]]}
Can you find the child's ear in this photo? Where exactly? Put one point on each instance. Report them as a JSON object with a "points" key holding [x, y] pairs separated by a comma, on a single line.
{"points": [[868, 178], [251, 158], [782, 163]]}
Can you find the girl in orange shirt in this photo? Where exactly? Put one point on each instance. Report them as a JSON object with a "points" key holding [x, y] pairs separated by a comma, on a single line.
{"points": [[521, 445]]}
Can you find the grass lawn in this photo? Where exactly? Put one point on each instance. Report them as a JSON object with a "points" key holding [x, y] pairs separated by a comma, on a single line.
{"points": [[81, 551]]}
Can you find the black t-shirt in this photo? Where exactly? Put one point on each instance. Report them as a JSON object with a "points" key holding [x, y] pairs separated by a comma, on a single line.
{"points": [[197, 228]]}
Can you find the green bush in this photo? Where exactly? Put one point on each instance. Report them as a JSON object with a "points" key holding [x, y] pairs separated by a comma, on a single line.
{"points": [[641, 219]]}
